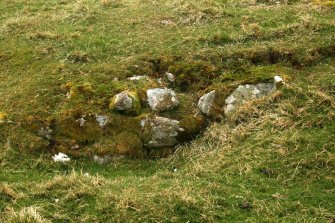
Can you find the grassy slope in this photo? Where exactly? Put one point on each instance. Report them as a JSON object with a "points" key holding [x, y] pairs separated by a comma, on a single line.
{"points": [[273, 161]]}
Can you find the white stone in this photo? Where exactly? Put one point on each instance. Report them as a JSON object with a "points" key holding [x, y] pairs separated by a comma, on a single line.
{"points": [[102, 120], [160, 99], [205, 103], [278, 79], [61, 157], [138, 77], [170, 77]]}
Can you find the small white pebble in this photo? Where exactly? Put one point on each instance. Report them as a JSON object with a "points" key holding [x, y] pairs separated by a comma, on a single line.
{"points": [[61, 157], [278, 79]]}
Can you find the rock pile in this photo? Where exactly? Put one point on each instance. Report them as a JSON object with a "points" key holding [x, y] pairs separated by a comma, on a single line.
{"points": [[144, 117]]}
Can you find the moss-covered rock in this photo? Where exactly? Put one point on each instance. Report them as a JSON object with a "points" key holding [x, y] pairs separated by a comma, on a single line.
{"points": [[82, 128], [127, 102]]}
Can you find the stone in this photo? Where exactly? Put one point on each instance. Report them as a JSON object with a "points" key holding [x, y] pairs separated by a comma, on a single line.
{"points": [[278, 79], [161, 99], [246, 93], [170, 77], [128, 102], [102, 120], [138, 78], [160, 132], [205, 103], [61, 157]]}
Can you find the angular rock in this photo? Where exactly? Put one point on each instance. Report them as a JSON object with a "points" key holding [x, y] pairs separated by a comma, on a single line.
{"points": [[246, 93], [126, 101], [161, 99], [205, 103], [160, 132]]}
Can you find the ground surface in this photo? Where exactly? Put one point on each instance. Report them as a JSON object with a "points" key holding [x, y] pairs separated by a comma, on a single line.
{"points": [[273, 161]]}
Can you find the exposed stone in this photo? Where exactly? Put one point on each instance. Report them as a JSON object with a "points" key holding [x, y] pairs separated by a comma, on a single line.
{"points": [[61, 157], [170, 77], [160, 132], [160, 99], [246, 93], [205, 103], [138, 78], [278, 81], [126, 101], [102, 120]]}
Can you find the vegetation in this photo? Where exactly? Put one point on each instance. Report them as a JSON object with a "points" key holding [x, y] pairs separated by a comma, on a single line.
{"points": [[272, 161]]}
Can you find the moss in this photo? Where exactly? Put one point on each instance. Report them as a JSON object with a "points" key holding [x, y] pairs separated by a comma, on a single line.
{"points": [[189, 73], [24, 139], [76, 126], [126, 142], [130, 144], [3, 116], [192, 126]]}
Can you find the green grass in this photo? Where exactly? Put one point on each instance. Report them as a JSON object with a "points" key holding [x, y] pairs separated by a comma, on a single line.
{"points": [[272, 161]]}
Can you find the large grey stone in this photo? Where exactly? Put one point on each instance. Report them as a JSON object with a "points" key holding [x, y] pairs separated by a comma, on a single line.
{"points": [[160, 99], [205, 103], [246, 93], [160, 131]]}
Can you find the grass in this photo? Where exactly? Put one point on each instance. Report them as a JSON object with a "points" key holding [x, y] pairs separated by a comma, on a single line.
{"points": [[272, 161]]}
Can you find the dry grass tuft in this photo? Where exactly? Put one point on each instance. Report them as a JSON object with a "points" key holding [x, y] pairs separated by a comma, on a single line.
{"points": [[8, 191], [25, 215]]}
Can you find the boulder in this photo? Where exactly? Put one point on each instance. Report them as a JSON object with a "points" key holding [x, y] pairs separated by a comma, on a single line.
{"points": [[125, 101], [205, 103], [246, 93], [161, 99], [160, 132]]}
